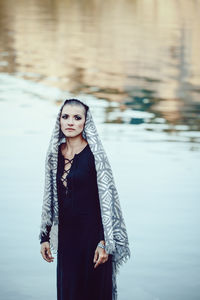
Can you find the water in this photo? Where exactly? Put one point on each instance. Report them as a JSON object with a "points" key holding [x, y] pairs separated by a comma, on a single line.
{"points": [[158, 184], [136, 64], [142, 54]]}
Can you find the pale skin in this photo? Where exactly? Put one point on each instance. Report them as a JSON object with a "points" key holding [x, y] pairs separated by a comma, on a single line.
{"points": [[73, 116]]}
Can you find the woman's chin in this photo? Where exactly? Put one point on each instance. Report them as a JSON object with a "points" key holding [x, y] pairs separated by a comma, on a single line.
{"points": [[71, 134]]}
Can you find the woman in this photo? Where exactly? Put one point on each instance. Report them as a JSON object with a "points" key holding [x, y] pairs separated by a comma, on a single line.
{"points": [[81, 215]]}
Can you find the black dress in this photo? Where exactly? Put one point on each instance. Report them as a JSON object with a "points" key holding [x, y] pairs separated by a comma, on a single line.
{"points": [[80, 229]]}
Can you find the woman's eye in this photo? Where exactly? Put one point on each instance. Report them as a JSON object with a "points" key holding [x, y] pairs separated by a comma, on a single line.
{"points": [[76, 117]]}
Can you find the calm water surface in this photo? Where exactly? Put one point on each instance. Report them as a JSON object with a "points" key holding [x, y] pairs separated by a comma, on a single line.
{"points": [[158, 184], [142, 54], [136, 64]]}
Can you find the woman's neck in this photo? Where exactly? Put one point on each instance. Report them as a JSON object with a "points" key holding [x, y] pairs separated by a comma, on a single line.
{"points": [[73, 145]]}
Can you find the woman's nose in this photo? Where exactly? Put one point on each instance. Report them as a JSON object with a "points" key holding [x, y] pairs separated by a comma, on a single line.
{"points": [[70, 121]]}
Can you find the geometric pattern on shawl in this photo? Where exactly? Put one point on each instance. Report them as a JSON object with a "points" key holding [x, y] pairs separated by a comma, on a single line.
{"points": [[115, 233]]}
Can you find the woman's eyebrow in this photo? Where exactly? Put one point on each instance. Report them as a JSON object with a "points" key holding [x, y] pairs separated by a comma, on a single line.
{"points": [[68, 114]]}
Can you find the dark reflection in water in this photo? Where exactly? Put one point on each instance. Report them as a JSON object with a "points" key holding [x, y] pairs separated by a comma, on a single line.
{"points": [[142, 54]]}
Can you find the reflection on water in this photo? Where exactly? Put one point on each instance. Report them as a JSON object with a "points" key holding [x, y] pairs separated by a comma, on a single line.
{"points": [[158, 184], [136, 64], [142, 54]]}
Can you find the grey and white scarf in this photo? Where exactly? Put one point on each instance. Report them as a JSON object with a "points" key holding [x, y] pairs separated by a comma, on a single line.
{"points": [[115, 233]]}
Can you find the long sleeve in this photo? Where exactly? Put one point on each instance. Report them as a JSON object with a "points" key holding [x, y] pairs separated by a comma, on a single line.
{"points": [[45, 237]]}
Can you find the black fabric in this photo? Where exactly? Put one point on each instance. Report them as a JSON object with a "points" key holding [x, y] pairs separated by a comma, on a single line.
{"points": [[45, 237], [80, 230]]}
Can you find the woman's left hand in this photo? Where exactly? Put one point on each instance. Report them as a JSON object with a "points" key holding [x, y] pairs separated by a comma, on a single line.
{"points": [[100, 256]]}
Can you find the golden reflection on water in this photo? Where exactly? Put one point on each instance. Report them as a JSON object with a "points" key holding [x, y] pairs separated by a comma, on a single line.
{"points": [[124, 51]]}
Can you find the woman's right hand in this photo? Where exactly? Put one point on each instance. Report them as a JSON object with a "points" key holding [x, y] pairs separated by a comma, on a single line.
{"points": [[46, 252]]}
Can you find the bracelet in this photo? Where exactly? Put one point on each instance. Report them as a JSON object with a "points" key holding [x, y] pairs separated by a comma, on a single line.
{"points": [[101, 245]]}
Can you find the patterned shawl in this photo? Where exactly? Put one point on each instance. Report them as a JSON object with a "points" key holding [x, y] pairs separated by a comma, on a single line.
{"points": [[115, 234]]}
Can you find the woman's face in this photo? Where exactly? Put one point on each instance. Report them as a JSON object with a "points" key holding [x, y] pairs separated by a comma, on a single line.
{"points": [[72, 120]]}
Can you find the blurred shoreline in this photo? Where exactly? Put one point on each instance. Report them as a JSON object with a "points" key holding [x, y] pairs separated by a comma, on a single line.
{"points": [[26, 91], [143, 56]]}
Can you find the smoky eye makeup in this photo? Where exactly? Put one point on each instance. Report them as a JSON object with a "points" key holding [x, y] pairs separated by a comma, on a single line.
{"points": [[64, 116], [76, 116]]}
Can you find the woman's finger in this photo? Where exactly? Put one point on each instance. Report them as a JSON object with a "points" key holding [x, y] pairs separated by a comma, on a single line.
{"points": [[43, 254], [99, 261], [46, 254], [95, 256], [102, 259], [50, 257]]}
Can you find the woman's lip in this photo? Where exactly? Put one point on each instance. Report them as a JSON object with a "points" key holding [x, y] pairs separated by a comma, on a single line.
{"points": [[70, 129]]}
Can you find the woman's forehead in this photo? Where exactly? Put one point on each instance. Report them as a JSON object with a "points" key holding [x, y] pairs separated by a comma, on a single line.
{"points": [[73, 109]]}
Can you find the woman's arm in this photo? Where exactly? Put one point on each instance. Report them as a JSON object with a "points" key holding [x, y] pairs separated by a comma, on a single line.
{"points": [[45, 246], [100, 255], [45, 237]]}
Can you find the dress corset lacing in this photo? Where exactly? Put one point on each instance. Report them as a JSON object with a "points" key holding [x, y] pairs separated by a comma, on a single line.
{"points": [[64, 179]]}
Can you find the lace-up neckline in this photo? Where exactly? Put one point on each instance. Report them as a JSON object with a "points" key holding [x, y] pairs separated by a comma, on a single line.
{"points": [[68, 162], [66, 171]]}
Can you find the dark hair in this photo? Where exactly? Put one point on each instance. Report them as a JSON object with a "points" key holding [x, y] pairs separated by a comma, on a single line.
{"points": [[76, 102]]}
